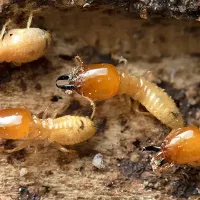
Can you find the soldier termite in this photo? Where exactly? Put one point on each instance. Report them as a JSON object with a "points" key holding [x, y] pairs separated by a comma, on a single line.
{"points": [[181, 146], [102, 81]]}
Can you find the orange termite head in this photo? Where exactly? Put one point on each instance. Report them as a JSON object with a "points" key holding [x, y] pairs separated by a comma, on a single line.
{"points": [[181, 146], [96, 81], [24, 45], [14, 123]]}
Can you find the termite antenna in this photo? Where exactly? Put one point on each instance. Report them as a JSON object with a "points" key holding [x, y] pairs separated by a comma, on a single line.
{"points": [[78, 61], [4, 29], [29, 20], [151, 148], [93, 106]]}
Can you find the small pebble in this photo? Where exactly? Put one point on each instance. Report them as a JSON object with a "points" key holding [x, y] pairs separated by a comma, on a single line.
{"points": [[98, 161], [23, 171], [134, 157]]}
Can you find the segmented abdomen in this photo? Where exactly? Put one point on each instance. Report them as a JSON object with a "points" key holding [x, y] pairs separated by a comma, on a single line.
{"points": [[155, 100], [69, 130]]}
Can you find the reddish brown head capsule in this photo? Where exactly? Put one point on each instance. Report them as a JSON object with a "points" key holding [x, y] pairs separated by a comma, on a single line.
{"points": [[181, 146], [14, 123], [97, 81]]}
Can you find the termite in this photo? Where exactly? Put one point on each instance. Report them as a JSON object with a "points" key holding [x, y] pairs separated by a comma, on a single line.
{"points": [[18, 124], [103, 81], [181, 146], [23, 45]]}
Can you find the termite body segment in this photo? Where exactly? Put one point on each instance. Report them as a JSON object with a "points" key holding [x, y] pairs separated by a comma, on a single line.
{"points": [[23, 45], [103, 81], [181, 146], [18, 124]]}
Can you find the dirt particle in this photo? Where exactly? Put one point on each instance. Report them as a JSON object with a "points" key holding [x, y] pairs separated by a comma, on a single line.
{"points": [[25, 194], [38, 86], [23, 171], [5, 75], [66, 57], [82, 125], [23, 85], [18, 155], [48, 173], [136, 143], [134, 157], [98, 161], [131, 169], [109, 184], [101, 124], [55, 98], [64, 160]]}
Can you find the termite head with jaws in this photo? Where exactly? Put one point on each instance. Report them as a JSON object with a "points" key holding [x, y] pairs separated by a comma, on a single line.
{"points": [[95, 81], [23, 45], [181, 146]]}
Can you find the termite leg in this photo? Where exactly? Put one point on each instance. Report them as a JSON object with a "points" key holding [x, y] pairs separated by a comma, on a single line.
{"points": [[29, 21], [35, 148], [121, 59], [162, 168], [55, 113], [172, 75], [92, 104], [78, 61], [128, 101], [4, 29], [148, 75], [44, 116], [35, 144], [136, 106], [58, 111], [124, 61], [63, 149], [19, 147], [16, 64]]}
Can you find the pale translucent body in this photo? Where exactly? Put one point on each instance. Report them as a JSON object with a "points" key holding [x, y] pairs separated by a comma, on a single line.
{"points": [[155, 100], [24, 45], [18, 124], [67, 130]]}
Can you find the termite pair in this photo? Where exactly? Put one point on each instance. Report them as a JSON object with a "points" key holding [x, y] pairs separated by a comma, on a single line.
{"points": [[23, 45], [181, 146], [18, 124], [102, 81]]}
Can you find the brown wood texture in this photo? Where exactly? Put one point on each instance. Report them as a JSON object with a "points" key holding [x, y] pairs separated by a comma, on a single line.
{"points": [[168, 48]]}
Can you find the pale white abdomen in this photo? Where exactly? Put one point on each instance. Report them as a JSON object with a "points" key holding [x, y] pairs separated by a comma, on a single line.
{"points": [[69, 130], [155, 100], [24, 45]]}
